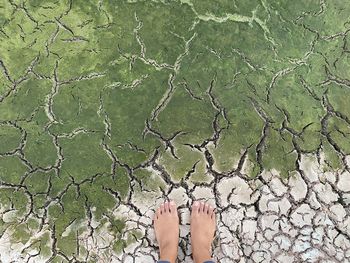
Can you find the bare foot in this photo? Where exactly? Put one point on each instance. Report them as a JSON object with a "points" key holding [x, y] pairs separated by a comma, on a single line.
{"points": [[166, 227], [203, 224]]}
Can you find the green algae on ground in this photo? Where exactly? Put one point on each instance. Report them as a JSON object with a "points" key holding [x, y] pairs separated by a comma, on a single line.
{"points": [[100, 98]]}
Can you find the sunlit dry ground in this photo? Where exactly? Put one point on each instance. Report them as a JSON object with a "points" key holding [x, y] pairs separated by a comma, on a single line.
{"points": [[109, 107]]}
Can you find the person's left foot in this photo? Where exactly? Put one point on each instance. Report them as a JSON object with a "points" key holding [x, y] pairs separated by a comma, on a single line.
{"points": [[166, 227]]}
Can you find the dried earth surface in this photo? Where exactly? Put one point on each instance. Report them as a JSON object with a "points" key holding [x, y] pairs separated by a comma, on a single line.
{"points": [[109, 107]]}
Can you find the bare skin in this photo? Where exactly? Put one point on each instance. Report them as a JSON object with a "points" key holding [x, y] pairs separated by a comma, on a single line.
{"points": [[166, 226]]}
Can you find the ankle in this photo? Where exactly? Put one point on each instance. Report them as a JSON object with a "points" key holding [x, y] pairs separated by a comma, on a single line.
{"points": [[201, 255], [167, 257], [168, 253]]}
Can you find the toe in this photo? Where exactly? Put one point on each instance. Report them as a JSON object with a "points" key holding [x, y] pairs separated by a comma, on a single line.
{"points": [[166, 207], [157, 214], [195, 207], [161, 209], [210, 210], [206, 208], [201, 208], [172, 206], [213, 214]]}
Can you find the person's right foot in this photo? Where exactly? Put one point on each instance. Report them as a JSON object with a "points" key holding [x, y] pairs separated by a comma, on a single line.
{"points": [[203, 224]]}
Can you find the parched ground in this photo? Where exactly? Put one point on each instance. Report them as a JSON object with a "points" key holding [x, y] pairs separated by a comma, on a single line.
{"points": [[107, 108]]}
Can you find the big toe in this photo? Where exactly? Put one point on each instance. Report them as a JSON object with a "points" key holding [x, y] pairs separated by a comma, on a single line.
{"points": [[173, 207], [195, 208]]}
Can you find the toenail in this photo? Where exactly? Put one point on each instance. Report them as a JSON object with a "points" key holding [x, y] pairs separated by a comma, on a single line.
{"points": [[172, 202], [195, 203]]}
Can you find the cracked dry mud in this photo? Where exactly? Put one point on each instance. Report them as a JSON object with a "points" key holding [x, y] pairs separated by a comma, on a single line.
{"points": [[109, 107]]}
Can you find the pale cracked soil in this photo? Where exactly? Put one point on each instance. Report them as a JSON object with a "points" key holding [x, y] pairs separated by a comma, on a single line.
{"points": [[301, 219]]}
